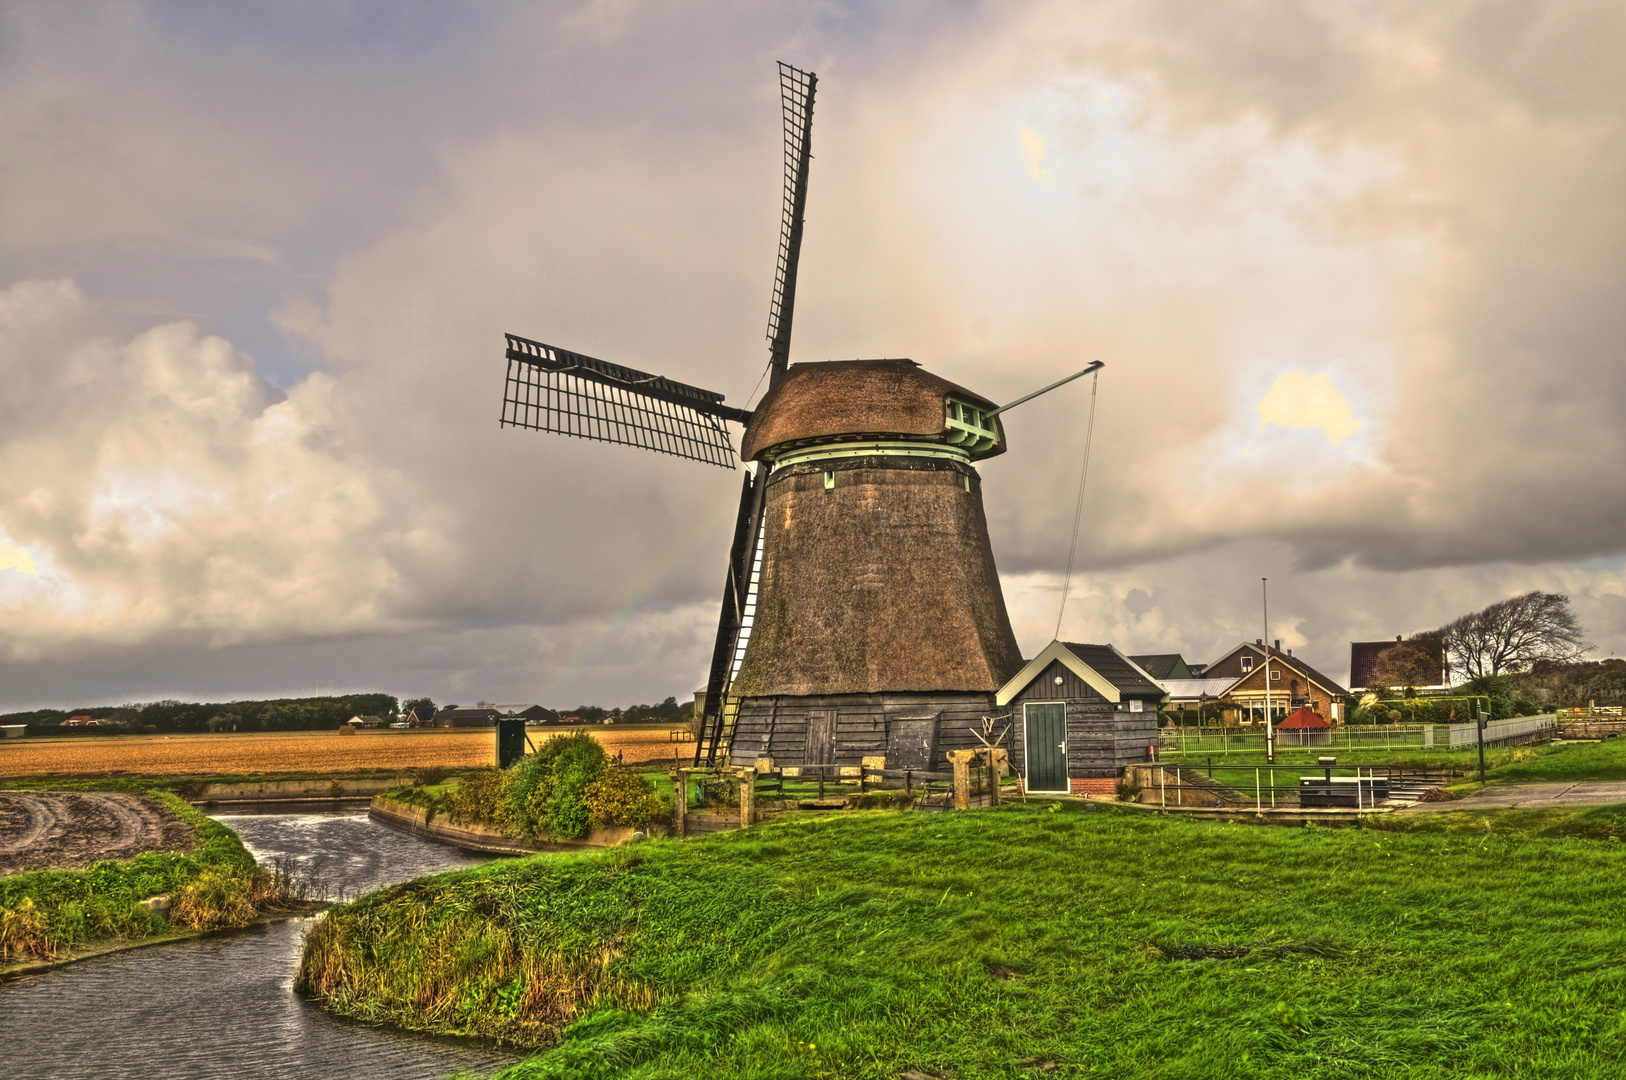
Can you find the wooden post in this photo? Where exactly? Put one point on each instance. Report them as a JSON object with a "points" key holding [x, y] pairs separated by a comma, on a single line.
{"points": [[680, 802], [748, 797], [996, 770], [960, 762]]}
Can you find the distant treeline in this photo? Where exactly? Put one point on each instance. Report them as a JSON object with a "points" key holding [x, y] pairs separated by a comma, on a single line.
{"points": [[1602, 681], [667, 711], [281, 714]]}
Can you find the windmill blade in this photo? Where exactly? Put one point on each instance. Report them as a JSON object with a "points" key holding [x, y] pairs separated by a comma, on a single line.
{"points": [[553, 389], [796, 89]]}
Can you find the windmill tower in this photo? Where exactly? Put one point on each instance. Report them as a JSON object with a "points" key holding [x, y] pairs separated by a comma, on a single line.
{"points": [[861, 612]]}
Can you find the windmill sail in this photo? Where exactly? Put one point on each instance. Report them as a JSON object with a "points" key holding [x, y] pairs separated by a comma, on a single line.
{"points": [[796, 89], [553, 389]]}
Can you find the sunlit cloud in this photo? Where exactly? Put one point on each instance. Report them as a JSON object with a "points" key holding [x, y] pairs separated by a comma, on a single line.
{"points": [[1033, 148], [17, 559], [1297, 400]]}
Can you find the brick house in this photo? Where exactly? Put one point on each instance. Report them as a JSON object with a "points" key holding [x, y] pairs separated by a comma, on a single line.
{"points": [[1293, 683]]}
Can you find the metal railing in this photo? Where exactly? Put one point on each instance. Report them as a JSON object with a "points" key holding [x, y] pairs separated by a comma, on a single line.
{"points": [[1244, 787], [1520, 729], [1359, 736]]}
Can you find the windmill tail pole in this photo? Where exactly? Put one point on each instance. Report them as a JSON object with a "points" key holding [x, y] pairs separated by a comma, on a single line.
{"points": [[1094, 366]]}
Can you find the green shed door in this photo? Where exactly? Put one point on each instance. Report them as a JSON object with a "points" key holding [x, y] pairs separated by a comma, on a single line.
{"points": [[1044, 735]]}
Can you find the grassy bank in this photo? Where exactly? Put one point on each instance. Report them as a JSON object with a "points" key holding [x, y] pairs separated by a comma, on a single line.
{"points": [[1567, 761], [994, 943], [46, 912]]}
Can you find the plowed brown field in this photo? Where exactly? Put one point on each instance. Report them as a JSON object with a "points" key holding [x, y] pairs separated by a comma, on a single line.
{"points": [[281, 752]]}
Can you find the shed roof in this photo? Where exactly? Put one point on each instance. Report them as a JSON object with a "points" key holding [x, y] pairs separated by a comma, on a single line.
{"points": [[1107, 671], [855, 397], [1302, 719]]}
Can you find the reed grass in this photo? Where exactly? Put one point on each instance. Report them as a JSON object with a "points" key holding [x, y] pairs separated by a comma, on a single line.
{"points": [[1027, 940]]}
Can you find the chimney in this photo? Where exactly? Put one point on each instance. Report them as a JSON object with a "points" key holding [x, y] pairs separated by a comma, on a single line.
{"points": [[1397, 637], [1258, 641], [1278, 644]]}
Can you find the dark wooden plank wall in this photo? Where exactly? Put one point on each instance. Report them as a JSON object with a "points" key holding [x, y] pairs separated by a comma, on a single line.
{"points": [[1100, 738], [777, 727]]}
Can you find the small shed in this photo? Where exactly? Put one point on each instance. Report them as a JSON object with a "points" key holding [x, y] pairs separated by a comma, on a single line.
{"points": [[1303, 728], [1078, 714]]}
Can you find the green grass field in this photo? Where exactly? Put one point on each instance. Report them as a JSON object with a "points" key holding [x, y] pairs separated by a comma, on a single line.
{"points": [[992, 944], [1567, 761]]}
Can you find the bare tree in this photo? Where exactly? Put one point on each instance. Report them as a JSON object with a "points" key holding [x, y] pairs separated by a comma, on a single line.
{"points": [[1512, 634]]}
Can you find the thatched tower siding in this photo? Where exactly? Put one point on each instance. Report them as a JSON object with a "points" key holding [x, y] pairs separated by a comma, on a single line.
{"points": [[883, 581]]}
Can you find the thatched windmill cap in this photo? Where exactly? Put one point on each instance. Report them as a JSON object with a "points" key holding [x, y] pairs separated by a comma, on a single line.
{"points": [[855, 398]]}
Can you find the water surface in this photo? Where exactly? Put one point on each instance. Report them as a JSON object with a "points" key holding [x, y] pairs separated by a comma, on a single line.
{"points": [[224, 1006]]}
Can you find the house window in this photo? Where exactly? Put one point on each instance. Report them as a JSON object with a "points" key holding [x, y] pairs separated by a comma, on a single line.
{"points": [[1275, 675], [1247, 664]]}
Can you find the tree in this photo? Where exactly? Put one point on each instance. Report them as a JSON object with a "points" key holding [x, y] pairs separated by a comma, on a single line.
{"points": [[424, 705], [1513, 634]]}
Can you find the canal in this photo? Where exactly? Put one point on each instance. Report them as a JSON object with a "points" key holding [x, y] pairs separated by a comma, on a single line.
{"points": [[224, 1006]]}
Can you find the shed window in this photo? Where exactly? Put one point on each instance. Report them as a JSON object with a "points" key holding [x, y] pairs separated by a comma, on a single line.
{"points": [[1137, 705]]}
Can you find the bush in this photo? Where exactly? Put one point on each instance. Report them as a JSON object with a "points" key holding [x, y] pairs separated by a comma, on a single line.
{"points": [[622, 797], [483, 796], [22, 933], [561, 791], [547, 796]]}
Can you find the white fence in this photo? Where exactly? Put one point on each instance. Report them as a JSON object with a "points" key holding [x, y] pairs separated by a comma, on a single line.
{"points": [[1497, 731]]}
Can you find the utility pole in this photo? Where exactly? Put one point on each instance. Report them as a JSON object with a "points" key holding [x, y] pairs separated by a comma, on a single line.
{"points": [[1270, 728]]}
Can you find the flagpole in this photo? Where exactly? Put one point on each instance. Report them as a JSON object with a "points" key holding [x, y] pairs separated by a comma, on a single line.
{"points": [[1270, 728]]}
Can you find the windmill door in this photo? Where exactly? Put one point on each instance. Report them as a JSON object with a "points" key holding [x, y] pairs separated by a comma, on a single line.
{"points": [[1044, 738], [821, 737]]}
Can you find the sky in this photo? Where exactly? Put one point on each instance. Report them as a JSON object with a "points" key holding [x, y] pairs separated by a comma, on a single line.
{"points": [[1355, 270]]}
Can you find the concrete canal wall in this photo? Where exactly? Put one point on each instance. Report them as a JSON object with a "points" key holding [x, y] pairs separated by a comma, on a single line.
{"points": [[482, 838]]}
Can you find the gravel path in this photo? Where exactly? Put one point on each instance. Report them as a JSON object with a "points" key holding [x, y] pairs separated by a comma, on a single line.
{"points": [[1554, 793], [70, 830]]}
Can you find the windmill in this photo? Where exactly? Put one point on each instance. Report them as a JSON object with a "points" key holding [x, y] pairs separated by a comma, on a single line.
{"points": [[861, 609]]}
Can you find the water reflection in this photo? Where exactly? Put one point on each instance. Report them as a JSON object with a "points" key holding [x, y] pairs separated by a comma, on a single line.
{"points": [[224, 1006]]}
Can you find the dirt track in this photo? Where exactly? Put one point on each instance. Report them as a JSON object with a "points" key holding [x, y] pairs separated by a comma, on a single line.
{"points": [[68, 831]]}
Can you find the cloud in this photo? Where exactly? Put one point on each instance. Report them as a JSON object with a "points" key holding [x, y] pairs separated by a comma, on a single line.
{"points": [[264, 417], [1297, 400]]}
